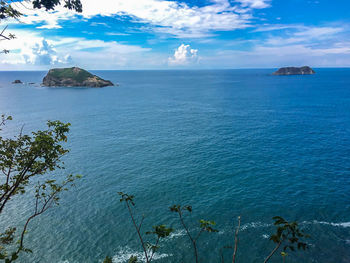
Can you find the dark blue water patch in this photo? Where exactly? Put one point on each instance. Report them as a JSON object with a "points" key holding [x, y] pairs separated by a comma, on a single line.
{"points": [[229, 143]]}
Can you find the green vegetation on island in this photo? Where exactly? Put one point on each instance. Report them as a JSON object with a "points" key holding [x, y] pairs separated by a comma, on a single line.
{"points": [[25, 158], [73, 77], [294, 71]]}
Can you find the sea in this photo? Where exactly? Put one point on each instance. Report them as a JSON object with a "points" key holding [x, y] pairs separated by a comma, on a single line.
{"points": [[228, 143]]}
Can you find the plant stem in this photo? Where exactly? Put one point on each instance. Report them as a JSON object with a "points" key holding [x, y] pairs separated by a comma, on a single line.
{"points": [[154, 250], [236, 240], [273, 252], [190, 237], [138, 231]]}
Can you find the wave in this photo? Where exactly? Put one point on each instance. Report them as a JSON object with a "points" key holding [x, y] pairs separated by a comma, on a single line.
{"points": [[177, 234], [342, 224], [123, 255], [315, 222], [254, 225]]}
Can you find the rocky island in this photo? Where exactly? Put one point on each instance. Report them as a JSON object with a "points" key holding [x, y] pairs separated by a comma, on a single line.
{"points": [[294, 71], [73, 77]]}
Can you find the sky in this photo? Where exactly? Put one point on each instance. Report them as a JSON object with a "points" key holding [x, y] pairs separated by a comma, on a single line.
{"points": [[188, 34]]}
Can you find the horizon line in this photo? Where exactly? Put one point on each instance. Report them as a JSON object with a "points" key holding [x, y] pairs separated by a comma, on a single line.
{"points": [[174, 69]]}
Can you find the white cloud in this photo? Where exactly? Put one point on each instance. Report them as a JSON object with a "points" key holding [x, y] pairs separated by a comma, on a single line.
{"points": [[262, 56], [173, 17], [184, 55], [100, 24], [277, 27], [258, 4], [292, 45], [43, 53], [31, 51], [318, 32], [305, 34], [116, 34]]}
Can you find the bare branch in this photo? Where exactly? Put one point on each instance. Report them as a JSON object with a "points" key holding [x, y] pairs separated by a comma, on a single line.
{"points": [[137, 230], [193, 241], [153, 251], [236, 240], [273, 252]]}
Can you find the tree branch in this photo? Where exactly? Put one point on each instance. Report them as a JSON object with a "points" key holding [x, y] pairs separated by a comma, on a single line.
{"points": [[138, 231], [236, 240], [189, 235], [153, 251], [7, 195], [273, 252]]}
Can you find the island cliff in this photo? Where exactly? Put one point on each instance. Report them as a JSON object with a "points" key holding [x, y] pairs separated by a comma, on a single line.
{"points": [[294, 71], [73, 77]]}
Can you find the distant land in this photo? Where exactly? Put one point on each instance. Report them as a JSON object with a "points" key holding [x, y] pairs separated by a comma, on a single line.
{"points": [[73, 77], [294, 71]]}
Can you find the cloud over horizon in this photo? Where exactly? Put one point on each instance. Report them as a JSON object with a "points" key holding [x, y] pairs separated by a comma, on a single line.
{"points": [[154, 34], [42, 53], [184, 55]]}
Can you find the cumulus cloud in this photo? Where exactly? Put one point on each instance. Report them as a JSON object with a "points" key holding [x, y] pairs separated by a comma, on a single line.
{"points": [[184, 55], [29, 48], [31, 51], [43, 53], [171, 17]]}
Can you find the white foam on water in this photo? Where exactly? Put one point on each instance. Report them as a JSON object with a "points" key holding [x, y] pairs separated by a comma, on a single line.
{"points": [[176, 234], [261, 225], [341, 224], [125, 253], [266, 236], [254, 225]]}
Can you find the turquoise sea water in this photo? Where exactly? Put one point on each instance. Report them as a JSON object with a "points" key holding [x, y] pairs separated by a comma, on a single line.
{"points": [[229, 143]]}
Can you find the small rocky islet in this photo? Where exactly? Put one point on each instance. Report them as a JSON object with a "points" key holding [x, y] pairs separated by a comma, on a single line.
{"points": [[73, 77], [287, 71]]}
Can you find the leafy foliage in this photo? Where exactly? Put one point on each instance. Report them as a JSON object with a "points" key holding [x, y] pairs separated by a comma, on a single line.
{"points": [[159, 231], [8, 10], [107, 260], [204, 226], [290, 233], [21, 159], [51, 4], [287, 234]]}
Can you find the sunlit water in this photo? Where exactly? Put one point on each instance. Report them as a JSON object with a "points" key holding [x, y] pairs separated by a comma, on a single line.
{"points": [[229, 143]]}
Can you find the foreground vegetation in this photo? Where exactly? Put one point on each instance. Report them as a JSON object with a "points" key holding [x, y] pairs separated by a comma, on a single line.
{"points": [[25, 161], [9, 10], [288, 235], [25, 158]]}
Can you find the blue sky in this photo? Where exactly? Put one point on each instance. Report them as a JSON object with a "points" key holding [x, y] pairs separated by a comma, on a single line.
{"points": [[157, 34]]}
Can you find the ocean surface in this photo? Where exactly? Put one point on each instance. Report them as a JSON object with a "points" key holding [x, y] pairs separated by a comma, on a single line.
{"points": [[228, 142]]}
